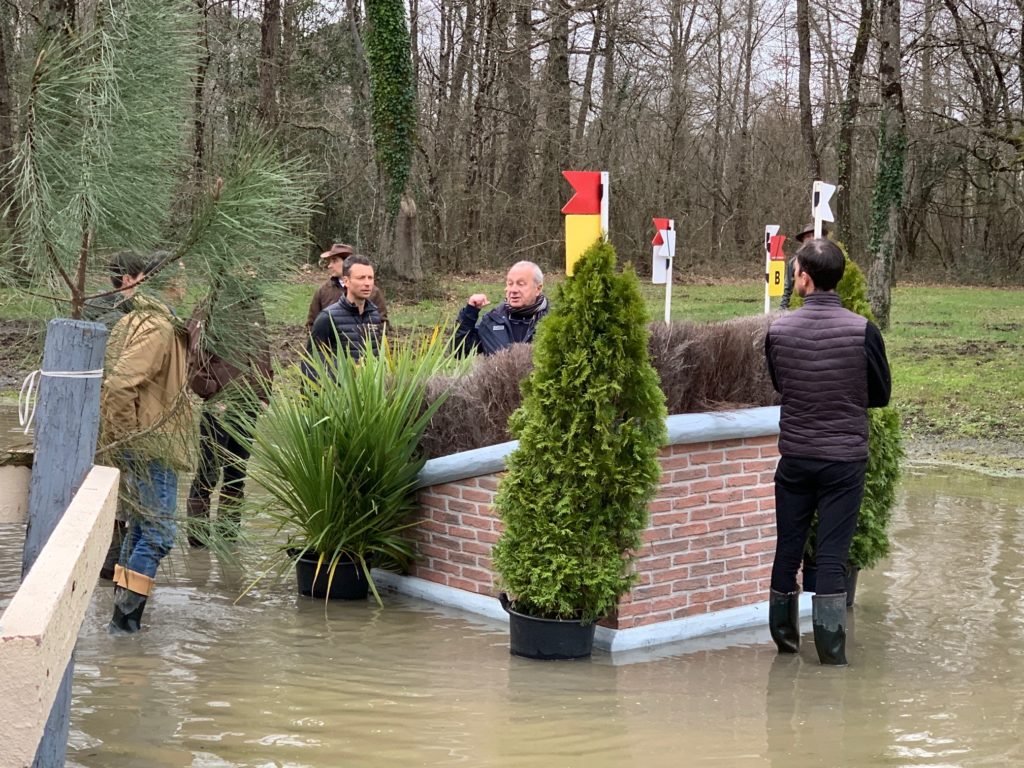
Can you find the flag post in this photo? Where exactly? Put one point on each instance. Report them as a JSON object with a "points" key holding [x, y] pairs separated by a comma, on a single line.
{"points": [[662, 254], [770, 230], [586, 213], [821, 193]]}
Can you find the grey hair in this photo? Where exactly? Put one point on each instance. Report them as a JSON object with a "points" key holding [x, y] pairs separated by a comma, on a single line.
{"points": [[538, 276]]}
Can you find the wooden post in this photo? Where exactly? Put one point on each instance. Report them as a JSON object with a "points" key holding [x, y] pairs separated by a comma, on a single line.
{"points": [[66, 423]]}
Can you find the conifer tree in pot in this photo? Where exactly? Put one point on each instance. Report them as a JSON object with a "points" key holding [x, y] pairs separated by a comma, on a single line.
{"points": [[574, 501]]}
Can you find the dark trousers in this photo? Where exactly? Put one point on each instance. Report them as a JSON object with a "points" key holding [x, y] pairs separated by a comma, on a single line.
{"points": [[833, 488], [219, 450]]}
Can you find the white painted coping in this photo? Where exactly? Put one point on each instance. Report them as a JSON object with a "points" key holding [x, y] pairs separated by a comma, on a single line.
{"points": [[612, 640], [40, 626], [682, 428], [14, 482]]}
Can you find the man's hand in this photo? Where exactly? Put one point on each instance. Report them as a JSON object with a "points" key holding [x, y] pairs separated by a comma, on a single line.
{"points": [[478, 300]]}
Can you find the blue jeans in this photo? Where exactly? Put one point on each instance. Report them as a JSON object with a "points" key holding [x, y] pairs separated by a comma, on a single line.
{"points": [[152, 530]]}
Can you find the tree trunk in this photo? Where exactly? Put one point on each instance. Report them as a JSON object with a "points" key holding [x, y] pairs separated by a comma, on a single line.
{"points": [[847, 122], [477, 182], [892, 150], [61, 16], [742, 236], [556, 123], [199, 103], [6, 116], [608, 77], [718, 142], [406, 259], [588, 79], [518, 161], [803, 33], [269, 69]]}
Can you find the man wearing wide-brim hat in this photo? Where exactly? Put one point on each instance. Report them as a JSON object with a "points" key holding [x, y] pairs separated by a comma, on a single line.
{"points": [[803, 234], [333, 260]]}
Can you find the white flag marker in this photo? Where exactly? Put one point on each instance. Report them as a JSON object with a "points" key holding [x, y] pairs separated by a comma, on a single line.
{"points": [[821, 193]]}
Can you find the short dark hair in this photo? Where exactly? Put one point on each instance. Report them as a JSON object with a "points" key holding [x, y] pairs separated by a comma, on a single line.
{"points": [[125, 264], [822, 260], [354, 259], [157, 261]]}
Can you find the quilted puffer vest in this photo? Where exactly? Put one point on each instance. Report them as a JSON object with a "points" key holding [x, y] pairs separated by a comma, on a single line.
{"points": [[821, 368]]}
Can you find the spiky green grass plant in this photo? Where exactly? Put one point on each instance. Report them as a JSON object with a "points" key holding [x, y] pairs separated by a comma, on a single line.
{"points": [[337, 458]]}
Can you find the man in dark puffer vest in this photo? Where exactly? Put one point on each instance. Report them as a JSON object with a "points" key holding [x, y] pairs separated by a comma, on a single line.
{"points": [[513, 321], [829, 365], [353, 320], [332, 290]]}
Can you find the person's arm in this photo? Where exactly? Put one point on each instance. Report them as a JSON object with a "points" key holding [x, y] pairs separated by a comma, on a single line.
{"points": [[202, 380], [879, 376], [771, 364], [467, 339], [314, 309], [787, 288], [321, 340]]}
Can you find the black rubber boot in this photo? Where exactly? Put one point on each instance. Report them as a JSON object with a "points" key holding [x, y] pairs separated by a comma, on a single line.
{"points": [[198, 521], [128, 608], [114, 550], [784, 620], [829, 619]]}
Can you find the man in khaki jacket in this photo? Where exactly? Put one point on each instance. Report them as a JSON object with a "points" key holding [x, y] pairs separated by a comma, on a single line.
{"points": [[146, 419], [334, 289]]}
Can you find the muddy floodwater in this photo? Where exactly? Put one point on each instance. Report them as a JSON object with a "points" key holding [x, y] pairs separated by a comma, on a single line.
{"points": [[936, 674]]}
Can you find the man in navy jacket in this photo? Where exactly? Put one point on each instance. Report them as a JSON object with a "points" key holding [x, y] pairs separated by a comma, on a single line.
{"points": [[514, 320]]}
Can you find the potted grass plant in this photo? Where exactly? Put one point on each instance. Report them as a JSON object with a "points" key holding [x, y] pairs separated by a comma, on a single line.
{"points": [[336, 459], [870, 541], [574, 500]]}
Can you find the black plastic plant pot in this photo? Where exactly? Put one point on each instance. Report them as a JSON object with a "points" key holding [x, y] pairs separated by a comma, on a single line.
{"points": [[547, 639], [349, 581]]}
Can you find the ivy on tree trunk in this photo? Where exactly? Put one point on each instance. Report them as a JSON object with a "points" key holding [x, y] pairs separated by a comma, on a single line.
{"points": [[393, 116], [892, 153]]}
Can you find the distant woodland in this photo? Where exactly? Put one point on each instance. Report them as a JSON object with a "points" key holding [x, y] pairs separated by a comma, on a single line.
{"points": [[434, 131]]}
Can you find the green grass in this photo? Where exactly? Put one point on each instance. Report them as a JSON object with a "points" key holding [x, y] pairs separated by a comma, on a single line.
{"points": [[957, 353]]}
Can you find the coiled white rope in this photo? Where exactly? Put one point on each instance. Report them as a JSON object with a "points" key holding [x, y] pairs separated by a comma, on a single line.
{"points": [[27, 396]]}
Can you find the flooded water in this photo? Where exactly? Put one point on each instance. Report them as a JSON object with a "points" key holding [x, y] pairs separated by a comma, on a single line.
{"points": [[937, 666]]}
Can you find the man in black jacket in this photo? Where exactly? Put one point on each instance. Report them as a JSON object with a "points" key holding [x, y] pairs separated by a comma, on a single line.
{"points": [[787, 288], [353, 320], [514, 320], [829, 365]]}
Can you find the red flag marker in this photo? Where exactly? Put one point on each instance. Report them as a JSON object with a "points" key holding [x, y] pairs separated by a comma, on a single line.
{"points": [[659, 225], [587, 188], [775, 248]]}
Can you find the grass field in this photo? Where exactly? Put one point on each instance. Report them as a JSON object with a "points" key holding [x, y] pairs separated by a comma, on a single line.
{"points": [[957, 353]]}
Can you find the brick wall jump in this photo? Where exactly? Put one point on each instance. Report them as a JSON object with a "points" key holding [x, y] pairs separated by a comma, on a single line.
{"points": [[708, 547]]}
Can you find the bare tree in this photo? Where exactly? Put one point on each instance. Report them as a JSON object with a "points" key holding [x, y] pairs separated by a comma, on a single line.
{"points": [[803, 31], [848, 112], [892, 151]]}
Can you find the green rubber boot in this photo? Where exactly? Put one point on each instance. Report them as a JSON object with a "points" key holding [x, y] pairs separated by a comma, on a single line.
{"points": [[784, 620], [829, 619]]}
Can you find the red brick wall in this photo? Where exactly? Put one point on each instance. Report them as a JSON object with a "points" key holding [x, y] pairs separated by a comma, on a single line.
{"points": [[709, 545]]}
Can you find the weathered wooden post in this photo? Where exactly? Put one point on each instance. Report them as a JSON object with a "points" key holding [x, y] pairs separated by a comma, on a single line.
{"points": [[66, 429]]}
